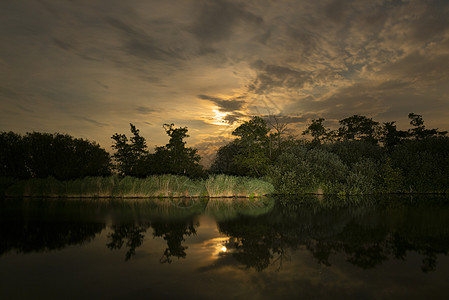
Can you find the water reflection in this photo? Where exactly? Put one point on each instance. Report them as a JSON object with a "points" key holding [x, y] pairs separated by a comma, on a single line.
{"points": [[133, 234], [174, 234], [253, 234], [366, 235]]}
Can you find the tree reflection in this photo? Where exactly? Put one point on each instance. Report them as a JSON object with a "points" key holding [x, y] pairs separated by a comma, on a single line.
{"points": [[366, 236], [173, 233], [133, 234]]}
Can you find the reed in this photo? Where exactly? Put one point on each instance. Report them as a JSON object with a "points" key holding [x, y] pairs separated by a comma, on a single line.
{"points": [[233, 186], [162, 186]]}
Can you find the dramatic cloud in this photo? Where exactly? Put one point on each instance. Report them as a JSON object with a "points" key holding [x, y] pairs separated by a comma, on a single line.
{"points": [[89, 68], [272, 76], [225, 105], [218, 19]]}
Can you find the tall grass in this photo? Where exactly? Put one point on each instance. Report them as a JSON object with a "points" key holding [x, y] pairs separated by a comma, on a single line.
{"points": [[163, 186], [233, 186]]}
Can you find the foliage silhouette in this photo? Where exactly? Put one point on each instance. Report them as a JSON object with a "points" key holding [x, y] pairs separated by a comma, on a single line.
{"points": [[173, 233], [130, 156], [175, 158], [41, 155]]}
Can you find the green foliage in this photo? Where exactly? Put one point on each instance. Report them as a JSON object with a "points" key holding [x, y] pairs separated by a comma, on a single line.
{"points": [[362, 178], [317, 130], [249, 154], [424, 164], [255, 161], [302, 170], [254, 130], [391, 177], [351, 152], [252, 147], [224, 162]]}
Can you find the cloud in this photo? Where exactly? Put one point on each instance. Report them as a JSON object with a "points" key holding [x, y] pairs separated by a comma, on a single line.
{"points": [[144, 110], [287, 119], [218, 18], [139, 43], [225, 105], [270, 77], [234, 117], [96, 123], [63, 44], [296, 59]]}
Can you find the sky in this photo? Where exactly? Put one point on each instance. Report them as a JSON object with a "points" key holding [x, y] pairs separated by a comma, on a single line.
{"points": [[90, 67]]}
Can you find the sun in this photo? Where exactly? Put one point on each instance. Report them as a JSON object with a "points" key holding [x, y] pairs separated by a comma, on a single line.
{"points": [[219, 117]]}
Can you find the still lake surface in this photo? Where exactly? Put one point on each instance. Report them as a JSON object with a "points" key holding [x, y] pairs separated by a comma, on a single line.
{"points": [[385, 248]]}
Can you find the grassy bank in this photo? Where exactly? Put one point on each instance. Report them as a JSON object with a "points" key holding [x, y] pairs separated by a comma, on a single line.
{"points": [[151, 187]]}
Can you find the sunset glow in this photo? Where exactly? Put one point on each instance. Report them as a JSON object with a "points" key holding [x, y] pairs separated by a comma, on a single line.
{"points": [[90, 68], [219, 118]]}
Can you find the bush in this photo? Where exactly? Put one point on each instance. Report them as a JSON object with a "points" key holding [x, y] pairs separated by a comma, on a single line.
{"points": [[424, 164], [363, 177], [302, 170]]}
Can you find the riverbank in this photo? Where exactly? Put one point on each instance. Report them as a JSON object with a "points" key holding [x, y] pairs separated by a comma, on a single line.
{"points": [[157, 186]]}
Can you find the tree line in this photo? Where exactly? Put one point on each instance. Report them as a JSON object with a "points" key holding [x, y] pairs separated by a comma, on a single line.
{"points": [[361, 156], [40, 155]]}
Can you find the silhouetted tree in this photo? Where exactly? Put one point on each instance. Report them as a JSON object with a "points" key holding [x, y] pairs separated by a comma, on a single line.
{"points": [[131, 155], [317, 130], [359, 128], [391, 136], [175, 157], [224, 162], [419, 131], [279, 129], [13, 156], [41, 155]]}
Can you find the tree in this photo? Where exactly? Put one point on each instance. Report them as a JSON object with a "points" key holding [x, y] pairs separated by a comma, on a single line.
{"points": [[253, 131], [131, 155], [391, 136], [317, 130], [12, 156], [175, 157], [279, 129], [254, 143], [359, 128], [224, 162], [41, 155], [419, 131]]}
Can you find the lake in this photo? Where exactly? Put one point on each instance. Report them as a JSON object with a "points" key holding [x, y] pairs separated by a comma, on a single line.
{"points": [[387, 247]]}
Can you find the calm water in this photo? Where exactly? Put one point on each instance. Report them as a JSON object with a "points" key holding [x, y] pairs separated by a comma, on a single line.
{"points": [[85, 249]]}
